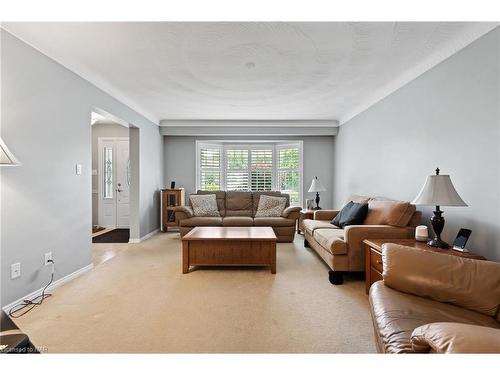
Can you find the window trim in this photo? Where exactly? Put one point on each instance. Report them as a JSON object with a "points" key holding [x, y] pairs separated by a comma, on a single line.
{"points": [[275, 145]]}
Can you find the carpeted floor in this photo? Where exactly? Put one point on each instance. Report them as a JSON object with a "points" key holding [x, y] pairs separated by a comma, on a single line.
{"points": [[114, 236], [139, 301]]}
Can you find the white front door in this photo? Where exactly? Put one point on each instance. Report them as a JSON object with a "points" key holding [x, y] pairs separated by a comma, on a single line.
{"points": [[113, 182], [122, 184]]}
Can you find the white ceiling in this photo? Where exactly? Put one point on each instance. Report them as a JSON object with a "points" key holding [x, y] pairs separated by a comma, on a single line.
{"points": [[249, 70]]}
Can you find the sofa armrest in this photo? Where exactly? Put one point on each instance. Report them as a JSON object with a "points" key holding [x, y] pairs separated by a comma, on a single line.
{"points": [[325, 214], [355, 234], [183, 212], [291, 212], [447, 338]]}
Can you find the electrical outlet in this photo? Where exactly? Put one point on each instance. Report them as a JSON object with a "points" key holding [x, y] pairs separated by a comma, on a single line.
{"points": [[48, 258], [15, 270]]}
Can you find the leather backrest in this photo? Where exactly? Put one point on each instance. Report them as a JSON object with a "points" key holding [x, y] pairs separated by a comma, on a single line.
{"points": [[256, 197], [384, 211], [469, 283], [220, 196], [239, 203], [358, 198]]}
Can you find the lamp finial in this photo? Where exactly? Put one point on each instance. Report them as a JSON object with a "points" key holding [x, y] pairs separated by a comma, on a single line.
{"points": [[437, 171]]}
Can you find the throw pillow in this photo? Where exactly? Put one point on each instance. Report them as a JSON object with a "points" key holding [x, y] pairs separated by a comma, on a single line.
{"points": [[270, 206], [351, 214], [204, 205]]}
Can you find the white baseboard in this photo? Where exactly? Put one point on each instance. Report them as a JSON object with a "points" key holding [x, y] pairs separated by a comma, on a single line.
{"points": [[54, 285], [144, 238]]}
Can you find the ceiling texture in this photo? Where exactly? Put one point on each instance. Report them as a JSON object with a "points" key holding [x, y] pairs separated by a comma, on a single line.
{"points": [[249, 70]]}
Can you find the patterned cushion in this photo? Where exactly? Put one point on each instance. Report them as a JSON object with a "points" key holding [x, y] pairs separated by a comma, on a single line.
{"points": [[270, 206], [204, 205]]}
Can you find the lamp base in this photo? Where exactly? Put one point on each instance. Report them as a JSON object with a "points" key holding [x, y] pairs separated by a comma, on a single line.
{"points": [[437, 242]]}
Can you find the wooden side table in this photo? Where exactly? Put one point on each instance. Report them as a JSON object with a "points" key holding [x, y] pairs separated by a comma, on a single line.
{"points": [[304, 214], [373, 256]]}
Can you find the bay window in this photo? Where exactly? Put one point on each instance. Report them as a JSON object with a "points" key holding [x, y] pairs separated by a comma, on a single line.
{"points": [[258, 166]]}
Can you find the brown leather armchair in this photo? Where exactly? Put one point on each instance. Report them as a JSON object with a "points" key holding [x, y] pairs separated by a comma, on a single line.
{"points": [[431, 302]]}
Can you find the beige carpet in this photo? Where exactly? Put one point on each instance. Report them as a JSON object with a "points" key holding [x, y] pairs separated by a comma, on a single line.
{"points": [[139, 301]]}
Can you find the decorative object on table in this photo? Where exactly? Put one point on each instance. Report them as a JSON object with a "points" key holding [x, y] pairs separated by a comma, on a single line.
{"points": [[7, 158], [309, 204], [172, 184], [351, 214], [461, 239], [316, 187], [438, 191], [170, 198], [422, 233]]}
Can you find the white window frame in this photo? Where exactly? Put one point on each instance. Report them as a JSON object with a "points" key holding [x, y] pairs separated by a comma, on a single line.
{"points": [[274, 145]]}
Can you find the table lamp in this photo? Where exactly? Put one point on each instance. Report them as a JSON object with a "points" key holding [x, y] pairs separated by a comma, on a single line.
{"points": [[6, 157], [438, 190], [316, 187]]}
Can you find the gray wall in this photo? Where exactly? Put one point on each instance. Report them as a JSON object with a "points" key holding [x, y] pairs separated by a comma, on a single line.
{"points": [[448, 117], [98, 131], [180, 162], [45, 206]]}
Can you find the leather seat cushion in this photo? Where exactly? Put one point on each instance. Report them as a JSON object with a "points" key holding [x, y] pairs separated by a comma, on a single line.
{"points": [[332, 240], [311, 225], [273, 222], [237, 221], [395, 315], [200, 221]]}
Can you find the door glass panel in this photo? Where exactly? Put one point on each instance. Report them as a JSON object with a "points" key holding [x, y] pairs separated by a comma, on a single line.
{"points": [[108, 172], [128, 172]]}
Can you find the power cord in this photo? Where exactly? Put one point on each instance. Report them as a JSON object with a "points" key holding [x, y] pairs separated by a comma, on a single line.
{"points": [[29, 304]]}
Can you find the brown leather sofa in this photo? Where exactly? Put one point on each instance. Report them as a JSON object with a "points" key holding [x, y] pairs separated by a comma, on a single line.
{"points": [[431, 302], [237, 209], [342, 249]]}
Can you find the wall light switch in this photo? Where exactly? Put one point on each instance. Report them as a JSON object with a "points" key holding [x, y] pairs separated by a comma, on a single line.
{"points": [[15, 270], [78, 169], [94, 172]]}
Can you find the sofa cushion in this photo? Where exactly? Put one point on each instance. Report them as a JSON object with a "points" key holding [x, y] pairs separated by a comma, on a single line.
{"points": [[311, 225], [221, 199], [270, 206], [382, 211], [395, 315], [351, 214], [256, 197], [239, 203], [204, 205], [358, 198], [199, 221], [237, 221], [332, 240], [273, 222]]}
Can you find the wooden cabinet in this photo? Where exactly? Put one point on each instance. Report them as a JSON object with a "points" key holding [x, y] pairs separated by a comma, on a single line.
{"points": [[373, 256], [170, 198]]}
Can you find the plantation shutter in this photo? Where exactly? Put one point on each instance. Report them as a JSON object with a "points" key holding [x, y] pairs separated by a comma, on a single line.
{"points": [[261, 169], [237, 169], [288, 171], [210, 167]]}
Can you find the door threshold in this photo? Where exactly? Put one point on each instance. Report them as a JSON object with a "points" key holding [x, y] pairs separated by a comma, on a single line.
{"points": [[105, 230]]}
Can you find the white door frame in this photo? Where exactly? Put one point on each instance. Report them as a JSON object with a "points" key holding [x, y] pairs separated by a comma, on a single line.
{"points": [[100, 160]]}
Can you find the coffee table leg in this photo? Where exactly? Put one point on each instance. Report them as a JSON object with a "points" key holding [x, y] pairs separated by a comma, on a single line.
{"points": [[273, 257], [185, 256]]}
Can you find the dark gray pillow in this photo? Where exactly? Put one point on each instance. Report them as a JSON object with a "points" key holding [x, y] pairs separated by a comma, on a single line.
{"points": [[351, 214]]}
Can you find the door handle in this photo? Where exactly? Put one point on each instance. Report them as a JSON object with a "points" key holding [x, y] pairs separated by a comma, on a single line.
{"points": [[119, 191]]}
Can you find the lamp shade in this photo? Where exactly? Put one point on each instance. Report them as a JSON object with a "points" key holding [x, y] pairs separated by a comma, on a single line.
{"points": [[438, 190], [6, 157], [316, 186]]}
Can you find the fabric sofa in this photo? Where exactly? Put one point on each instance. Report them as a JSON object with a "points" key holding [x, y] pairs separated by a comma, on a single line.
{"points": [[237, 209], [342, 249], [431, 302]]}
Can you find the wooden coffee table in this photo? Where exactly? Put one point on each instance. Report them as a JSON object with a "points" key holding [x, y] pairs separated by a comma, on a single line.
{"points": [[229, 246]]}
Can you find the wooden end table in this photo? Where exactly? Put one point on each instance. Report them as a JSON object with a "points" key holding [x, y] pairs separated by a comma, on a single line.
{"points": [[229, 246], [373, 256]]}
